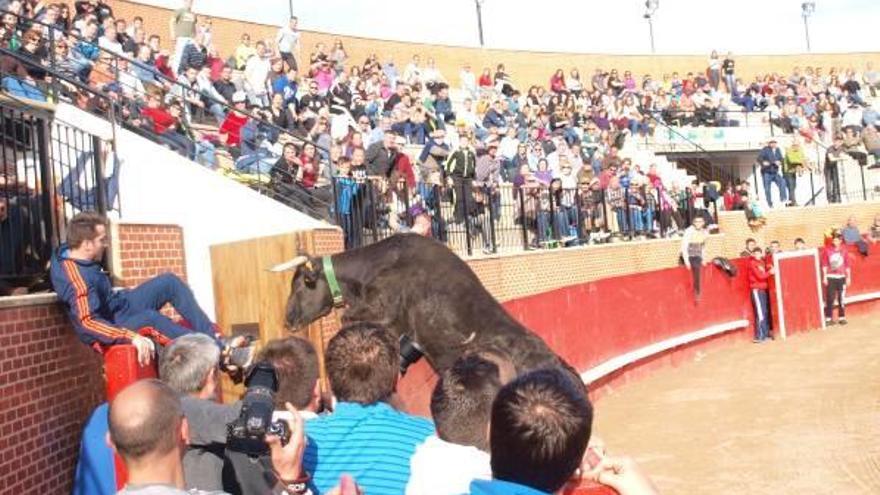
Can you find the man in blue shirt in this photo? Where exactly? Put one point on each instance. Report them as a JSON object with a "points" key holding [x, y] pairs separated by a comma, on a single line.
{"points": [[364, 437], [770, 161]]}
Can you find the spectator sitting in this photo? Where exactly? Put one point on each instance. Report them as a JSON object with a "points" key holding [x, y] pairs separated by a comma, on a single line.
{"points": [[364, 436], [108, 41], [224, 84], [853, 237], [235, 120], [460, 405], [190, 367]]}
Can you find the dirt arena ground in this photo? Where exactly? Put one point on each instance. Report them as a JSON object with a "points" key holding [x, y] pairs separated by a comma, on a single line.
{"points": [[794, 417]]}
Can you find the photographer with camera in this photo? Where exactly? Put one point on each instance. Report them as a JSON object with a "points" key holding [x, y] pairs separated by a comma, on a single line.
{"points": [[286, 373], [189, 366], [149, 430]]}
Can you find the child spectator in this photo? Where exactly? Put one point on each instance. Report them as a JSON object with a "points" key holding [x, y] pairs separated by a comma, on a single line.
{"points": [[759, 275], [836, 276]]}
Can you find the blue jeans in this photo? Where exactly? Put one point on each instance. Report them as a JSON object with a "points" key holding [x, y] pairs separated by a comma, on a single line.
{"points": [[762, 316], [145, 301], [636, 219], [769, 180]]}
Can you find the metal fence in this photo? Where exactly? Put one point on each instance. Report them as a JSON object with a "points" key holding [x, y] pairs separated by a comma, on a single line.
{"points": [[50, 171], [471, 217]]}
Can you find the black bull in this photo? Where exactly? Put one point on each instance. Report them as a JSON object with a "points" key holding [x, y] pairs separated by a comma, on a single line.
{"points": [[417, 287]]}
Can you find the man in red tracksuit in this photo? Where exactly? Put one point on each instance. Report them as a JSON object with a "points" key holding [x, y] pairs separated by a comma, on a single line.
{"points": [[836, 275], [759, 274]]}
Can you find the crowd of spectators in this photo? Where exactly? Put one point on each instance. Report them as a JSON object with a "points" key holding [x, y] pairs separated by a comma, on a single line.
{"points": [[327, 125], [491, 432]]}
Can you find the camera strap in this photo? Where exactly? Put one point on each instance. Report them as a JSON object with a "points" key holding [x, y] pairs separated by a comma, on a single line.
{"points": [[330, 275]]}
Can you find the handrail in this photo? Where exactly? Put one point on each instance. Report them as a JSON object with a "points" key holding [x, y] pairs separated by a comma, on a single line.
{"points": [[165, 78], [111, 114], [701, 151]]}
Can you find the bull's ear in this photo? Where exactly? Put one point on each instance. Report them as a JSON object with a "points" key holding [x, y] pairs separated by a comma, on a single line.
{"points": [[309, 274]]}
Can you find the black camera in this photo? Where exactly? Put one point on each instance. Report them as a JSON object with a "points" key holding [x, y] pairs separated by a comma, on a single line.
{"points": [[247, 433], [410, 352]]}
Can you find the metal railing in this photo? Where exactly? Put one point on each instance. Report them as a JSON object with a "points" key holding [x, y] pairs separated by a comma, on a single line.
{"points": [[50, 172], [472, 217], [253, 170]]}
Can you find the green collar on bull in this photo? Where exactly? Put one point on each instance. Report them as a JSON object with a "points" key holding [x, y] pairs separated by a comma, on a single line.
{"points": [[330, 275]]}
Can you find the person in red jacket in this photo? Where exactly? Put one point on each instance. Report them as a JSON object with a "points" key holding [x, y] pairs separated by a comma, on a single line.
{"points": [[235, 120], [836, 275], [759, 276]]}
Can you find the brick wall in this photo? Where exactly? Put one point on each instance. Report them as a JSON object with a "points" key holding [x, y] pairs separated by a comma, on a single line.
{"points": [[144, 251], [526, 68], [49, 383]]}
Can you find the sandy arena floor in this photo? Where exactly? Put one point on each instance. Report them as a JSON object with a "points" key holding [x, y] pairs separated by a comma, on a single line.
{"points": [[794, 417]]}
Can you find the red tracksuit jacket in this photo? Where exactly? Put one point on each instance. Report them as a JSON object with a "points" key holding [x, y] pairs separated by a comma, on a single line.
{"points": [[758, 275]]}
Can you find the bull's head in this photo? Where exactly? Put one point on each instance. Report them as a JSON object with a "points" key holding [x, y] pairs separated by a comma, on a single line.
{"points": [[310, 296]]}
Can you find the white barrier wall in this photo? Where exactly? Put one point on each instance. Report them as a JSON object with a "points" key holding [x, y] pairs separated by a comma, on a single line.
{"points": [[159, 186]]}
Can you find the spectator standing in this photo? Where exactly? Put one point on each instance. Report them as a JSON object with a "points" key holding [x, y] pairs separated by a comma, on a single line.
{"points": [[728, 69], [460, 405], [875, 229], [460, 171], [693, 251], [365, 436], [836, 276], [183, 29], [795, 160], [714, 70], [759, 274], [149, 431], [256, 76], [195, 54], [834, 157], [243, 52], [539, 433], [190, 366], [288, 44], [468, 81], [770, 159], [379, 156]]}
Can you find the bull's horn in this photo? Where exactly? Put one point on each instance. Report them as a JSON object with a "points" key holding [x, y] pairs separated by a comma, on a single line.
{"points": [[290, 265]]}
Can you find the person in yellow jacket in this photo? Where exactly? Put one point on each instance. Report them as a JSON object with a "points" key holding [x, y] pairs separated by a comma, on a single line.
{"points": [[793, 166]]}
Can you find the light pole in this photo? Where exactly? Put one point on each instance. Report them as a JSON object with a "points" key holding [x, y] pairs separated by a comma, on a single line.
{"points": [[290, 3], [651, 7], [479, 5], [807, 9]]}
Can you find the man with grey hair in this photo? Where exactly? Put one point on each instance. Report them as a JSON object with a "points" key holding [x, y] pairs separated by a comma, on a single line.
{"points": [[190, 366]]}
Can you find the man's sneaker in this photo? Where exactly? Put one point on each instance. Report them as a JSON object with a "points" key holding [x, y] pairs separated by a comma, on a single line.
{"points": [[757, 341], [842, 321], [829, 322]]}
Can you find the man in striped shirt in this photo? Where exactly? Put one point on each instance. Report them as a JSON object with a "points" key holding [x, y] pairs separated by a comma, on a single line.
{"points": [[365, 436], [102, 316]]}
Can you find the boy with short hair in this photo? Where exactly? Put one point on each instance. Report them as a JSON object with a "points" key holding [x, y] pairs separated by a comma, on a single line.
{"points": [[836, 275], [759, 275]]}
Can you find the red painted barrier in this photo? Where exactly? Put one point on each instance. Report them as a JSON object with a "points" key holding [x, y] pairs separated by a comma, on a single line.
{"points": [[796, 304], [590, 323]]}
